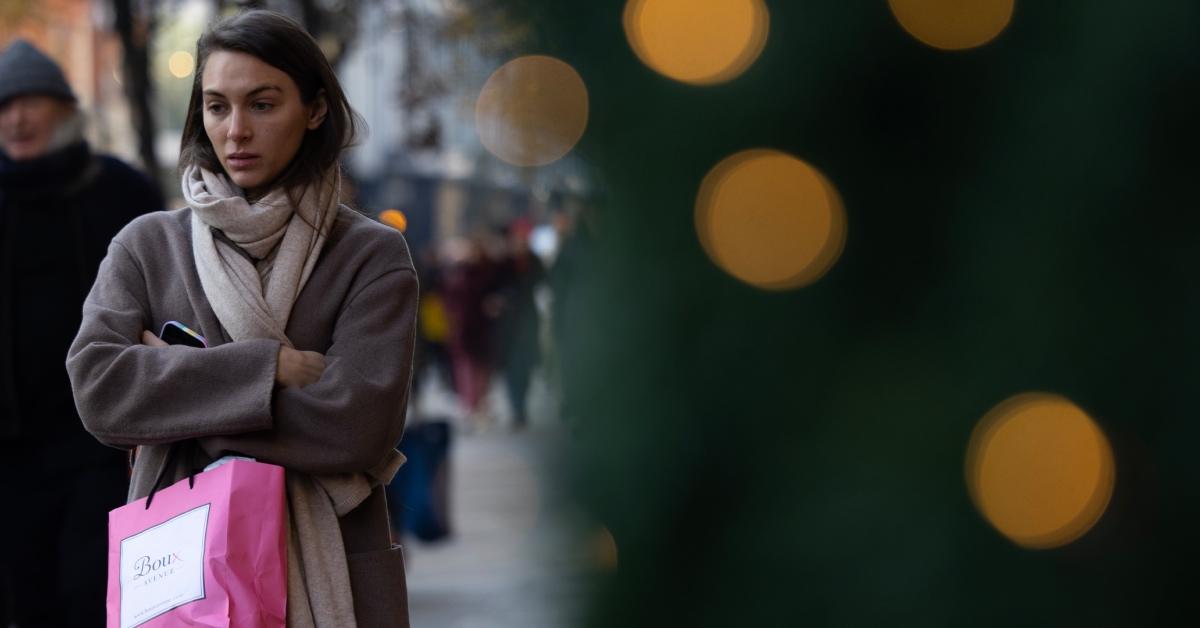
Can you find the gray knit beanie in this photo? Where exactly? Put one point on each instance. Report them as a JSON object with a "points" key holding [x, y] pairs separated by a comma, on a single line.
{"points": [[26, 70]]}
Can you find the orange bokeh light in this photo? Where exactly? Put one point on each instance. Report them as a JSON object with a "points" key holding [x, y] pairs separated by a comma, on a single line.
{"points": [[702, 43], [394, 218], [1040, 470], [180, 64], [604, 550], [953, 24], [770, 220], [532, 111]]}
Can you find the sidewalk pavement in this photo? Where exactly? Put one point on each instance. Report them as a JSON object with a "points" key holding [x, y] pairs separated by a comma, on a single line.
{"points": [[514, 559]]}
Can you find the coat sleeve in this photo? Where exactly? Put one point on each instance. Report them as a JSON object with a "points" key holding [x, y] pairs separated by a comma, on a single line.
{"points": [[130, 394], [352, 417]]}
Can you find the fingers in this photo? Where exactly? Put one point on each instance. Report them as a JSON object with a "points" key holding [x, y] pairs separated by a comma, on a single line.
{"points": [[312, 365], [314, 360], [299, 368], [149, 339]]}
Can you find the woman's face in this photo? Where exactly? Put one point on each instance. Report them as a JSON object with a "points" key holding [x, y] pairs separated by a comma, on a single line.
{"points": [[254, 118]]}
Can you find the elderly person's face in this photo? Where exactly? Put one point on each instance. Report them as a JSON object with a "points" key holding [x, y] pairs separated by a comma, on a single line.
{"points": [[27, 124]]}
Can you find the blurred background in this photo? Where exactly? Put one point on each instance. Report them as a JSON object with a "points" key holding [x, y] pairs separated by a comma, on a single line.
{"points": [[761, 312]]}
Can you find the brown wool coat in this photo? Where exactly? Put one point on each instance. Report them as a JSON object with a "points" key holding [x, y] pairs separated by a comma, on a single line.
{"points": [[358, 309]]}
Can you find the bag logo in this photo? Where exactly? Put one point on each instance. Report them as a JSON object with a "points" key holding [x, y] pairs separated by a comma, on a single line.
{"points": [[162, 567], [144, 566]]}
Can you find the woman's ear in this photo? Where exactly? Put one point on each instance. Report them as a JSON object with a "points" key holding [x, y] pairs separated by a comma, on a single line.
{"points": [[317, 111]]}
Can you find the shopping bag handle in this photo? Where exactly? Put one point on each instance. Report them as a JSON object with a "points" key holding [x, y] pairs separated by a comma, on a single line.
{"points": [[169, 464]]}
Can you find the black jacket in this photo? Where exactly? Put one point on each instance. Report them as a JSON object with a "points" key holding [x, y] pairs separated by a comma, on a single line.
{"points": [[57, 216]]}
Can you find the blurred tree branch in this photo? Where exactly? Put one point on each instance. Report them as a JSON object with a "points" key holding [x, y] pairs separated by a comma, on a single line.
{"points": [[333, 23], [497, 27], [134, 22], [488, 26]]}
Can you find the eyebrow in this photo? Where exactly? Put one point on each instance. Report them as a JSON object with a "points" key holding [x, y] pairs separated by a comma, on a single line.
{"points": [[251, 94]]}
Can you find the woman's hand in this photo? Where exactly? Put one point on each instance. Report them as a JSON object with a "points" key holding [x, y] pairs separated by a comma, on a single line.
{"points": [[298, 368], [150, 340], [295, 368]]}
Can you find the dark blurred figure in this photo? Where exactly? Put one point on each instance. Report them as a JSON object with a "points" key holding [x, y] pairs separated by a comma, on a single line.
{"points": [[433, 325], [419, 495], [518, 347], [470, 281], [60, 205], [574, 244]]}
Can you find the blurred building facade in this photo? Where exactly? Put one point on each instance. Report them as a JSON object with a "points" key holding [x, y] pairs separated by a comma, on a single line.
{"points": [[414, 73], [413, 69]]}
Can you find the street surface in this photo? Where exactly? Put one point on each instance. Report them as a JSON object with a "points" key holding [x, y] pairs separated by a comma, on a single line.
{"points": [[512, 560]]}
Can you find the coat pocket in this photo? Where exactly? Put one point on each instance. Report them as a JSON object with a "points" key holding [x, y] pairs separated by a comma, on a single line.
{"points": [[379, 588]]}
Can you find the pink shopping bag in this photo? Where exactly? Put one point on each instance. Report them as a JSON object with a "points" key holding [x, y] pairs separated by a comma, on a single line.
{"points": [[206, 553]]}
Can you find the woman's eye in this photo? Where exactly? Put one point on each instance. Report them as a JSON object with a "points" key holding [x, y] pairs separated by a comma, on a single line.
{"points": [[262, 106], [215, 107]]}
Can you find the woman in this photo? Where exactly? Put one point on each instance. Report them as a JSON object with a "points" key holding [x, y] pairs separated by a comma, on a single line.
{"points": [[309, 310]]}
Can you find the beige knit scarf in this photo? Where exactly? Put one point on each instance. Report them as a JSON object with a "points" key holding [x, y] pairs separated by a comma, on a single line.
{"points": [[254, 299]]}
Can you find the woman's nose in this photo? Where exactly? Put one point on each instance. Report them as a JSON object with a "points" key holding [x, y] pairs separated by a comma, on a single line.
{"points": [[239, 129]]}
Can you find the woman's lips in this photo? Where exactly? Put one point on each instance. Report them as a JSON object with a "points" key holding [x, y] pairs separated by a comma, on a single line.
{"points": [[242, 161]]}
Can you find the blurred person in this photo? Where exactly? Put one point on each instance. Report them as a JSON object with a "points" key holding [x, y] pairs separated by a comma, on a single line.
{"points": [[418, 497], [309, 309], [519, 323], [470, 280], [433, 324], [576, 234], [60, 205]]}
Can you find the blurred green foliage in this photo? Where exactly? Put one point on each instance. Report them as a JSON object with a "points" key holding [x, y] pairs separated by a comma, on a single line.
{"points": [[1021, 217]]}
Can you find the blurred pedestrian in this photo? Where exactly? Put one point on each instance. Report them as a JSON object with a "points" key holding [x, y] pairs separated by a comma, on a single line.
{"points": [[433, 324], [518, 343], [568, 304], [470, 282], [309, 309], [60, 205]]}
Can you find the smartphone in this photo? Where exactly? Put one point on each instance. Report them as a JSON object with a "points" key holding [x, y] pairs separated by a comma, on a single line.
{"points": [[176, 333]]}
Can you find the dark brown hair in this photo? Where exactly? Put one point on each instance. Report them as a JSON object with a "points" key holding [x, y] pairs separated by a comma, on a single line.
{"points": [[281, 42]]}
